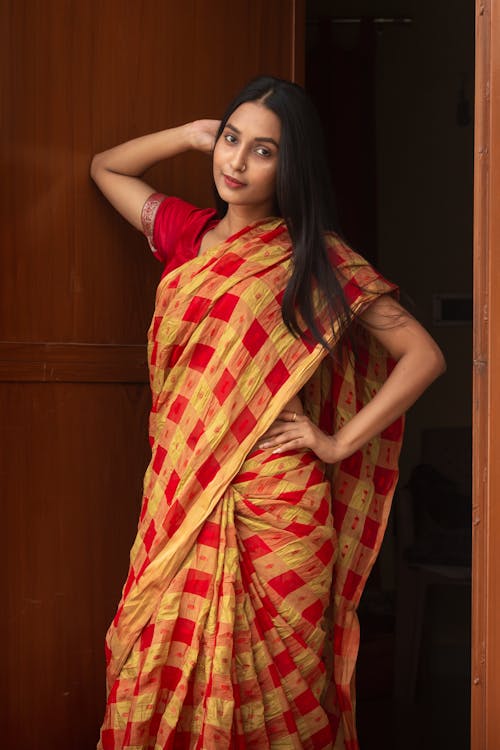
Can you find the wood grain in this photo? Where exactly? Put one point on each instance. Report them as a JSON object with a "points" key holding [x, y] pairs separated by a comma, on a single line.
{"points": [[485, 668], [77, 289], [71, 489], [84, 363], [82, 77]]}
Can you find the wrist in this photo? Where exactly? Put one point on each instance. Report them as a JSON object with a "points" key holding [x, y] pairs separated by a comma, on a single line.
{"points": [[338, 448], [327, 449], [187, 135]]}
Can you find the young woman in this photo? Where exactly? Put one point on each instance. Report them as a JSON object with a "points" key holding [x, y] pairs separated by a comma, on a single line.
{"points": [[280, 365]]}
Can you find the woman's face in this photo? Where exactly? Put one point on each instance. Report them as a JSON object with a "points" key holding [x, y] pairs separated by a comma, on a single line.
{"points": [[245, 158]]}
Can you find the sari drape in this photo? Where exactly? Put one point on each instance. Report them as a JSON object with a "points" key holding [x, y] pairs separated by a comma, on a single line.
{"points": [[248, 566]]}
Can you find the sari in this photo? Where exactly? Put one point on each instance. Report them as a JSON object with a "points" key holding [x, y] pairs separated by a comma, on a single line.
{"points": [[237, 625]]}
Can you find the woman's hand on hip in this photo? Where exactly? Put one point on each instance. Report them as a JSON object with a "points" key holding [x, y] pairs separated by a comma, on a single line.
{"points": [[292, 431]]}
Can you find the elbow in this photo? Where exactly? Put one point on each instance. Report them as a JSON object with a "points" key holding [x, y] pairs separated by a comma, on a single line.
{"points": [[444, 366], [438, 362], [96, 167]]}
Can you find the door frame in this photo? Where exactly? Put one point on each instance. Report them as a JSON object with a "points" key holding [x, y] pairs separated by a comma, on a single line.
{"points": [[485, 666]]}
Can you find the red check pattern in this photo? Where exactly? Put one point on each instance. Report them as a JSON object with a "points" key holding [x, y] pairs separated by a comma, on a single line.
{"points": [[219, 639], [363, 486]]}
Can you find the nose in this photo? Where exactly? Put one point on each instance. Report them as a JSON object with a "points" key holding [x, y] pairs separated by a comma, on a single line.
{"points": [[238, 160]]}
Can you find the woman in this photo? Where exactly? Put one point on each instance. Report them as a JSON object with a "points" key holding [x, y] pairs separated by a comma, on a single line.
{"points": [[274, 446]]}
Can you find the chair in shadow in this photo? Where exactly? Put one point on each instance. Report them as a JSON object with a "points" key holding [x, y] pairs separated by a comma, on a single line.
{"points": [[433, 542]]}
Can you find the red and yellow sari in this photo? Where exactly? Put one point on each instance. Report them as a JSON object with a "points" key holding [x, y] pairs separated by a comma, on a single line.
{"points": [[237, 626]]}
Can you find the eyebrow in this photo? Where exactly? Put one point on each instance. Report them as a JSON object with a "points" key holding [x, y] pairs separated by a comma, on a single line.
{"points": [[260, 139]]}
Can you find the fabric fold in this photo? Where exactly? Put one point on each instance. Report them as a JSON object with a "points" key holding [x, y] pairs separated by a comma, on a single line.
{"points": [[221, 636]]}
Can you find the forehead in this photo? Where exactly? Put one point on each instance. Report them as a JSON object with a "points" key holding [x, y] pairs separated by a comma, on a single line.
{"points": [[256, 121]]}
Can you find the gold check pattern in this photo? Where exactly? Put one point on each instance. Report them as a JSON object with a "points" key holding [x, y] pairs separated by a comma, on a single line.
{"points": [[222, 634]]}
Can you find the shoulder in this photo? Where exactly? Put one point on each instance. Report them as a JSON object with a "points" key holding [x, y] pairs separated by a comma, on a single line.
{"points": [[170, 210], [341, 254], [168, 220], [357, 276]]}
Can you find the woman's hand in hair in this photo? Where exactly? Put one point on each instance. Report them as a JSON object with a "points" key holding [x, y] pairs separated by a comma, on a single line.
{"points": [[118, 171], [202, 134], [291, 431]]}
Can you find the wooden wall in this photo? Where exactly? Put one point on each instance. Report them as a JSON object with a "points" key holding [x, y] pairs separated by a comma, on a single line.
{"points": [[76, 294]]}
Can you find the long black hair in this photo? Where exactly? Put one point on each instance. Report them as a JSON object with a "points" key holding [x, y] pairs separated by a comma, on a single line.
{"points": [[304, 199]]}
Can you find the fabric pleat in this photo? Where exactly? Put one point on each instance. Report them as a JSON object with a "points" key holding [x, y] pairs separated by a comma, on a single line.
{"points": [[237, 625]]}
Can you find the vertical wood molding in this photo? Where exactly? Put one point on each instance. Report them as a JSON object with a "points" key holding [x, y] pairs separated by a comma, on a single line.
{"points": [[492, 546], [480, 381], [298, 42], [485, 700]]}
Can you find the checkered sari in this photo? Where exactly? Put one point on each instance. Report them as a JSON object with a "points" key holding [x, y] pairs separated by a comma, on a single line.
{"points": [[237, 624]]}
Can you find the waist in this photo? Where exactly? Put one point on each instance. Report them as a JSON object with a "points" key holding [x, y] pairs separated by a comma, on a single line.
{"points": [[295, 404], [292, 466]]}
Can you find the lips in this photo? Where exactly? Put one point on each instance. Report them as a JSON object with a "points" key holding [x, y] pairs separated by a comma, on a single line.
{"points": [[231, 182]]}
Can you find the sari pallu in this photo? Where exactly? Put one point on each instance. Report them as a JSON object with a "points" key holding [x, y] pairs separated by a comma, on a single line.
{"points": [[210, 648]]}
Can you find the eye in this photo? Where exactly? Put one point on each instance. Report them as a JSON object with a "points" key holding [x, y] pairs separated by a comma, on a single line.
{"points": [[230, 138], [263, 151]]}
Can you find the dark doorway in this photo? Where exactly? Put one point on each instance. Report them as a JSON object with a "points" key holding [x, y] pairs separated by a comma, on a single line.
{"points": [[396, 95]]}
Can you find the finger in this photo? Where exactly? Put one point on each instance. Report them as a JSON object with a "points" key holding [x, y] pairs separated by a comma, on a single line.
{"points": [[290, 416], [289, 445], [277, 430], [277, 427], [280, 437]]}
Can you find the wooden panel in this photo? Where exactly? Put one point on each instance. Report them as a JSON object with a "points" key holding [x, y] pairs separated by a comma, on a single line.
{"points": [[76, 297], [485, 729], [71, 489], [480, 385], [493, 507], [85, 363], [79, 78]]}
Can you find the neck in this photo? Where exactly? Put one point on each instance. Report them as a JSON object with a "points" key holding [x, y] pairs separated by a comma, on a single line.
{"points": [[239, 217]]}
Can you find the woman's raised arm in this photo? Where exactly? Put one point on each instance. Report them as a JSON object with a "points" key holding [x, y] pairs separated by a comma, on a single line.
{"points": [[117, 171]]}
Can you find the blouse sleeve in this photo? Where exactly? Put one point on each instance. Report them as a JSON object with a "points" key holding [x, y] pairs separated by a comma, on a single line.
{"points": [[172, 225]]}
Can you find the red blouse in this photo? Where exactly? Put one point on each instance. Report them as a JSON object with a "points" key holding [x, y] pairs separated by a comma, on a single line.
{"points": [[174, 228]]}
